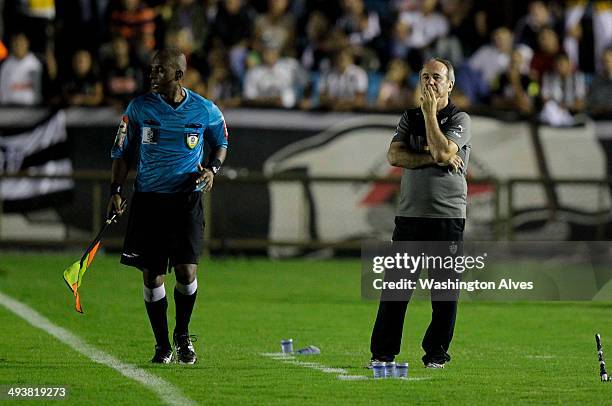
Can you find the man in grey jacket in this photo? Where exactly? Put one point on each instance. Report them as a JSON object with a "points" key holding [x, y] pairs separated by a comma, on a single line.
{"points": [[432, 145]]}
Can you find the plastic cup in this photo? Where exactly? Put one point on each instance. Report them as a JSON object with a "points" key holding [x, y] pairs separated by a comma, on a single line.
{"points": [[401, 370], [378, 368], [389, 369], [287, 346]]}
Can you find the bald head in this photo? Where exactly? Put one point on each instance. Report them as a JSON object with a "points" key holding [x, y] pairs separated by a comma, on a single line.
{"points": [[167, 72], [171, 58]]}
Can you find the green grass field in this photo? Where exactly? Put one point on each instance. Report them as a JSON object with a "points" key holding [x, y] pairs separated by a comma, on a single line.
{"points": [[503, 353]]}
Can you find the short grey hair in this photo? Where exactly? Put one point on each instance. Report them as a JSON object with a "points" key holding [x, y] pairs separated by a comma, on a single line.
{"points": [[450, 70]]}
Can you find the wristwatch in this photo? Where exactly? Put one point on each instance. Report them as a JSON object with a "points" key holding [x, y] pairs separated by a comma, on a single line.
{"points": [[116, 189], [214, 166]]}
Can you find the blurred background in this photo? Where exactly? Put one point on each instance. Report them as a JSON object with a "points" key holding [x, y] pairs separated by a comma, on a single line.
{"points": [[311, 91]]}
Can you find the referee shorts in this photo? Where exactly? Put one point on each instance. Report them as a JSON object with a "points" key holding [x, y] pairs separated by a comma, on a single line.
{"points": [[164, 230]]}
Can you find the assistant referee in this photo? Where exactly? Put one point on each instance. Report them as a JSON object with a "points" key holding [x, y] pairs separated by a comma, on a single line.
{"points": [[177, 140], [432, 144]]}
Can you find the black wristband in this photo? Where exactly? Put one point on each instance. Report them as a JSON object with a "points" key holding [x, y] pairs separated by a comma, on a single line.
{"points": [[214, 166], [116, 189]]}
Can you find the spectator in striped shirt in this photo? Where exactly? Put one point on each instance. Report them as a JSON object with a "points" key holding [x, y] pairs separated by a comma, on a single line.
{"points": [[563, 93], [135, 22], [344, 87]]}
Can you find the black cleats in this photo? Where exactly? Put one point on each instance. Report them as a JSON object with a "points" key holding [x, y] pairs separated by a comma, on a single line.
{"points": [[163, 355], [184, 348]]}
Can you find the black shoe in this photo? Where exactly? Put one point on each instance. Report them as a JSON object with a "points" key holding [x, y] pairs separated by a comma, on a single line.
{"points": [[162, 355], [436, 361], [184, 348], [376, 360]]}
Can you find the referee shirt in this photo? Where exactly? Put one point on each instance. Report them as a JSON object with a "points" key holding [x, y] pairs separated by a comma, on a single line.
{"points": [[169, 143]]}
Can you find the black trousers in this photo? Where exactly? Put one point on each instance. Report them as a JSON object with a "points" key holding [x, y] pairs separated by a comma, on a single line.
{"points": [[387, 333]]}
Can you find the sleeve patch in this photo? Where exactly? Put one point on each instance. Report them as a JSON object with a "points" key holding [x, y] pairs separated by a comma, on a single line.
{"points": [[121, 132]]}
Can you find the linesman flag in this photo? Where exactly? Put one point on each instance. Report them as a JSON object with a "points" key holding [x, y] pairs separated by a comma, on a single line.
{"points": [[73, 275]]}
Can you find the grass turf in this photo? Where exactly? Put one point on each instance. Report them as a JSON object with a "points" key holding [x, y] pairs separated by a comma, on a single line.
{"points": [[506, 353]]}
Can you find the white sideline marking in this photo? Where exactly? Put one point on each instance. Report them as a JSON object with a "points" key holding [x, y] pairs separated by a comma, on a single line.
{"points": [[340, 373], [168, 393], [352, 377], [290, 359]]}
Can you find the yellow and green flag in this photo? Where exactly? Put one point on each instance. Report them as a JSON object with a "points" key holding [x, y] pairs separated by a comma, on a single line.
{"points": [[73, 275]]}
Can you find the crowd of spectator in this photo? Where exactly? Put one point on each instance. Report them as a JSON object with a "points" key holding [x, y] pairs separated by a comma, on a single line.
{"points": [[551, 58]]}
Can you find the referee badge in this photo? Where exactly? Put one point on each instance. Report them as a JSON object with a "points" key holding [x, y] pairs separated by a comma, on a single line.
{"points": [[191, 139]]}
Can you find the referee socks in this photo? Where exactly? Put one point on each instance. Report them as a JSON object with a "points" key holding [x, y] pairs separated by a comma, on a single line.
{"points": [[157, 306], [184, 299]]}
